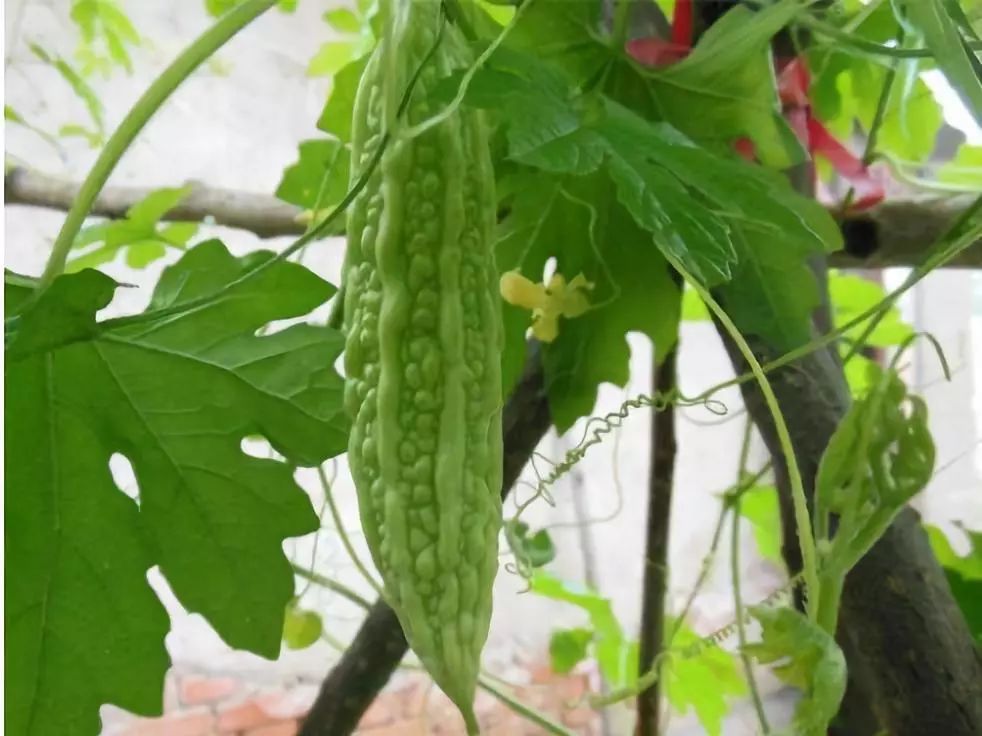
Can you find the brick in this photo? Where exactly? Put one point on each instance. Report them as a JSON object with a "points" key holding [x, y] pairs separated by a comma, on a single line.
{"points": [[294, 702], [579, 717], [542, 673], [412, 699], [244, 717], [381, 712], [284, 728], [198, 690], [197, 724], [401, 728], [571, 689]]}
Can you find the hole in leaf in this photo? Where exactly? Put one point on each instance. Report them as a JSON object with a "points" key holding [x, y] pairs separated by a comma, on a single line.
{"points": [[258, 446], [123, 476]]}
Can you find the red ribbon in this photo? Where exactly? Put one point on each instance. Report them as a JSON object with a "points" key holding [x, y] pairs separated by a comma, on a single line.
{"points": [[794, 80]]}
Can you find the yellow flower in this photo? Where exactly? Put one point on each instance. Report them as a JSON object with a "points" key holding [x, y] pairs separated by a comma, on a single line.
{"points": [[547, 302]]}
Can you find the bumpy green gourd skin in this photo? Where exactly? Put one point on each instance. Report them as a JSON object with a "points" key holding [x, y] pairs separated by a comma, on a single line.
{"points": [[422, 359]]}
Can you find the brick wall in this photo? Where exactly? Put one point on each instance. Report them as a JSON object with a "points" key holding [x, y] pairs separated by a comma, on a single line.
{"points": [[202, 705]]}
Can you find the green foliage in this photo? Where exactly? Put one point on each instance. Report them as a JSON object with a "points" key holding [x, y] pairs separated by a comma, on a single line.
{"points": [[610, 647], [933, 19], [706, 683], [714, 214], [220, 7], [83, 91], [335, 120], [964, 573], [17, 290], [604, 167], [808, 658], [693, 308], [851, 296], [533, 550], [176, 397], [319, 178], [139, 234], [725, 88], [301, 628], [683, 194], [846, 90], [358, 28], [11, 115], [106, 32], [965, 169], [703, 682], [569, 647], [760, 506], [880, 456]]}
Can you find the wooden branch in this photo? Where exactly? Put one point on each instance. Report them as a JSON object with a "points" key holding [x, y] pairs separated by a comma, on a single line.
{"points": [[897, 232], [655, 578], [894, 234], [379, 646], [261, 214]]}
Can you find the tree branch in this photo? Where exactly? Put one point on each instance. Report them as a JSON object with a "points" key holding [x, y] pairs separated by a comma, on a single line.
{"points": [[655, 579], [895, 233], [261, 214], [898, 232], [380, 645]]}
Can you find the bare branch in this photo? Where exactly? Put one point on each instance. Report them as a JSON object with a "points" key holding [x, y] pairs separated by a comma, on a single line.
{"points": [[895, 233], [261, 214]]}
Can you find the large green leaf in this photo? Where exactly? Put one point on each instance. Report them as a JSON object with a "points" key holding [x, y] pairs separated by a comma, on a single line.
{"points": [[579, 222], [176, 397], [726, 88], [686, 196], [566, 33]]}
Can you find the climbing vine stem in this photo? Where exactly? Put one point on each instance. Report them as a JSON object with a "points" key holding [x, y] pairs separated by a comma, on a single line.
{"points": [[802, 519], [201, 49]]}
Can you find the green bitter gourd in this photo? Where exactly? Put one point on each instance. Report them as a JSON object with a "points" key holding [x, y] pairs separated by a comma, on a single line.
{"points": [[422, 359]]}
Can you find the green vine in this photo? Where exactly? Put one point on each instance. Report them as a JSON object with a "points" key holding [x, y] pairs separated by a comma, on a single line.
{"points": [[806, 539]]}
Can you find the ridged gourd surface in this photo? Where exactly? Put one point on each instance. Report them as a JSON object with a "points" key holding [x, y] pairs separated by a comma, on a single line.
{"points": [[422, 361]]}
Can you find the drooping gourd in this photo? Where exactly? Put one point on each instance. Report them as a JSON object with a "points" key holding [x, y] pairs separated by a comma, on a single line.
{"points": [[422, 359]]}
